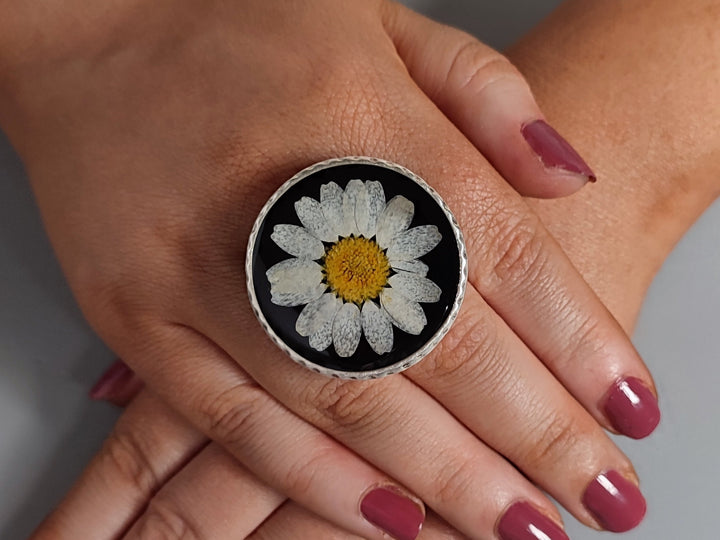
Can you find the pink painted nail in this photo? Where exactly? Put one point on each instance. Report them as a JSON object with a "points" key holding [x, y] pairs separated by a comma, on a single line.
{"points": [[554, 151], [616, 503], [632, 408], [522, 521], [394, 513], [112, 381]]}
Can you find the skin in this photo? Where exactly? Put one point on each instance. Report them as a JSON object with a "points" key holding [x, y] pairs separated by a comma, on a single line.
{"points": [[645, 216]]}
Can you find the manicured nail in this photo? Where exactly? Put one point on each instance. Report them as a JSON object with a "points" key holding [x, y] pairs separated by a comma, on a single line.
{"points": [[394, 513], [112, 381], [523, 521], [616, 503], [554, 151], [632, 408]]}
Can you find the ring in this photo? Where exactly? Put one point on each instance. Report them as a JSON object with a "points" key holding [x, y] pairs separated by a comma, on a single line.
{"points": [[356, 268]]}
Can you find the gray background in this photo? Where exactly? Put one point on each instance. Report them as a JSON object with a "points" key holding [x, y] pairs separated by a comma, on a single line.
{"points": [[49, 357]]}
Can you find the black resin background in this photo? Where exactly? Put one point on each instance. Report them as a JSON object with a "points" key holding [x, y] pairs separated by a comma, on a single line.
{"points": [[443, 261]]}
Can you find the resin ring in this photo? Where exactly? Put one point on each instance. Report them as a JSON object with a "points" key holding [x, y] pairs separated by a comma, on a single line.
{"points": [[356, 268]]}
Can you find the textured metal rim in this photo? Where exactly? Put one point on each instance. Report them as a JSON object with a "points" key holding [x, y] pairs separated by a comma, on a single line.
{"points": [[422, 351]]}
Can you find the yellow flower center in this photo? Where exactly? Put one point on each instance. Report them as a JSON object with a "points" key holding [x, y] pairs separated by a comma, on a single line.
{"points": [[356, 269]]}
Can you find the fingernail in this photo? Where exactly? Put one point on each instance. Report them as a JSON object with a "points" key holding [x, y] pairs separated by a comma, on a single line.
{"points": [[616, 503], [112, 381], [394, 513], [522, 521], [554, 151], [632, 408]]}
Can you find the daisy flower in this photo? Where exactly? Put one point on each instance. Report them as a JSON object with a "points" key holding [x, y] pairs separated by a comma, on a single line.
{"points": [[355, 268]]}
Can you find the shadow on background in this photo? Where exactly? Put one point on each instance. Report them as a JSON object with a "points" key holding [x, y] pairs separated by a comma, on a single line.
{"points": [[48, 358], [497, 24], [58, 473]]}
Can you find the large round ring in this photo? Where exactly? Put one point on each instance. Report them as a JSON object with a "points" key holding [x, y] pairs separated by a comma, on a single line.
{"points": [[356, 268]]}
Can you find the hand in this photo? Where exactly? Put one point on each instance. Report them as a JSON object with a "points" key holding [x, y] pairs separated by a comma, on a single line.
{"points": [[140, 205]]}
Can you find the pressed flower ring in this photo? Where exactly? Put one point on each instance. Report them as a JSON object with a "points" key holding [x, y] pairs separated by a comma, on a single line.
{"points": [[358, 270]]}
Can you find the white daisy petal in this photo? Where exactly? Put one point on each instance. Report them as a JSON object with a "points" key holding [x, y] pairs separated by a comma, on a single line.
{"points": [[376, 205], [323, 337], [370, 204], [316, 314], [346, 330], [362, 211], [416, 267], [406, 314], [377, 327], [331, 201], [311, 216], [294, 282], [395, 218], [415, 287], [297, 241], [414, 243], [350, 197]]}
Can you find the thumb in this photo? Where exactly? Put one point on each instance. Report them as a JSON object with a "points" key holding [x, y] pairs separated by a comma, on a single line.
{"points": [[488, 99]]}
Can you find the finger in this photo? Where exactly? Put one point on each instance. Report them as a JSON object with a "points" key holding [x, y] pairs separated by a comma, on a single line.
{"points": [[483, 94], [118, 385], [385, 421], [524, 276], [527, 415], [294, 521], [213, 496], [283, 450], [149, 443]]}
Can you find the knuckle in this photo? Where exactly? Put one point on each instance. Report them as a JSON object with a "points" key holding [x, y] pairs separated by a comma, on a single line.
{"points": [[454, 481], [105, 299], [234, 413], [349, 404], [163, 521], [300, 476], [363, 104], [516, 253], [475, 66], [116, 302], [365, 116], [128, 460], [587, 341], [471, 353], [554, 440]]}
